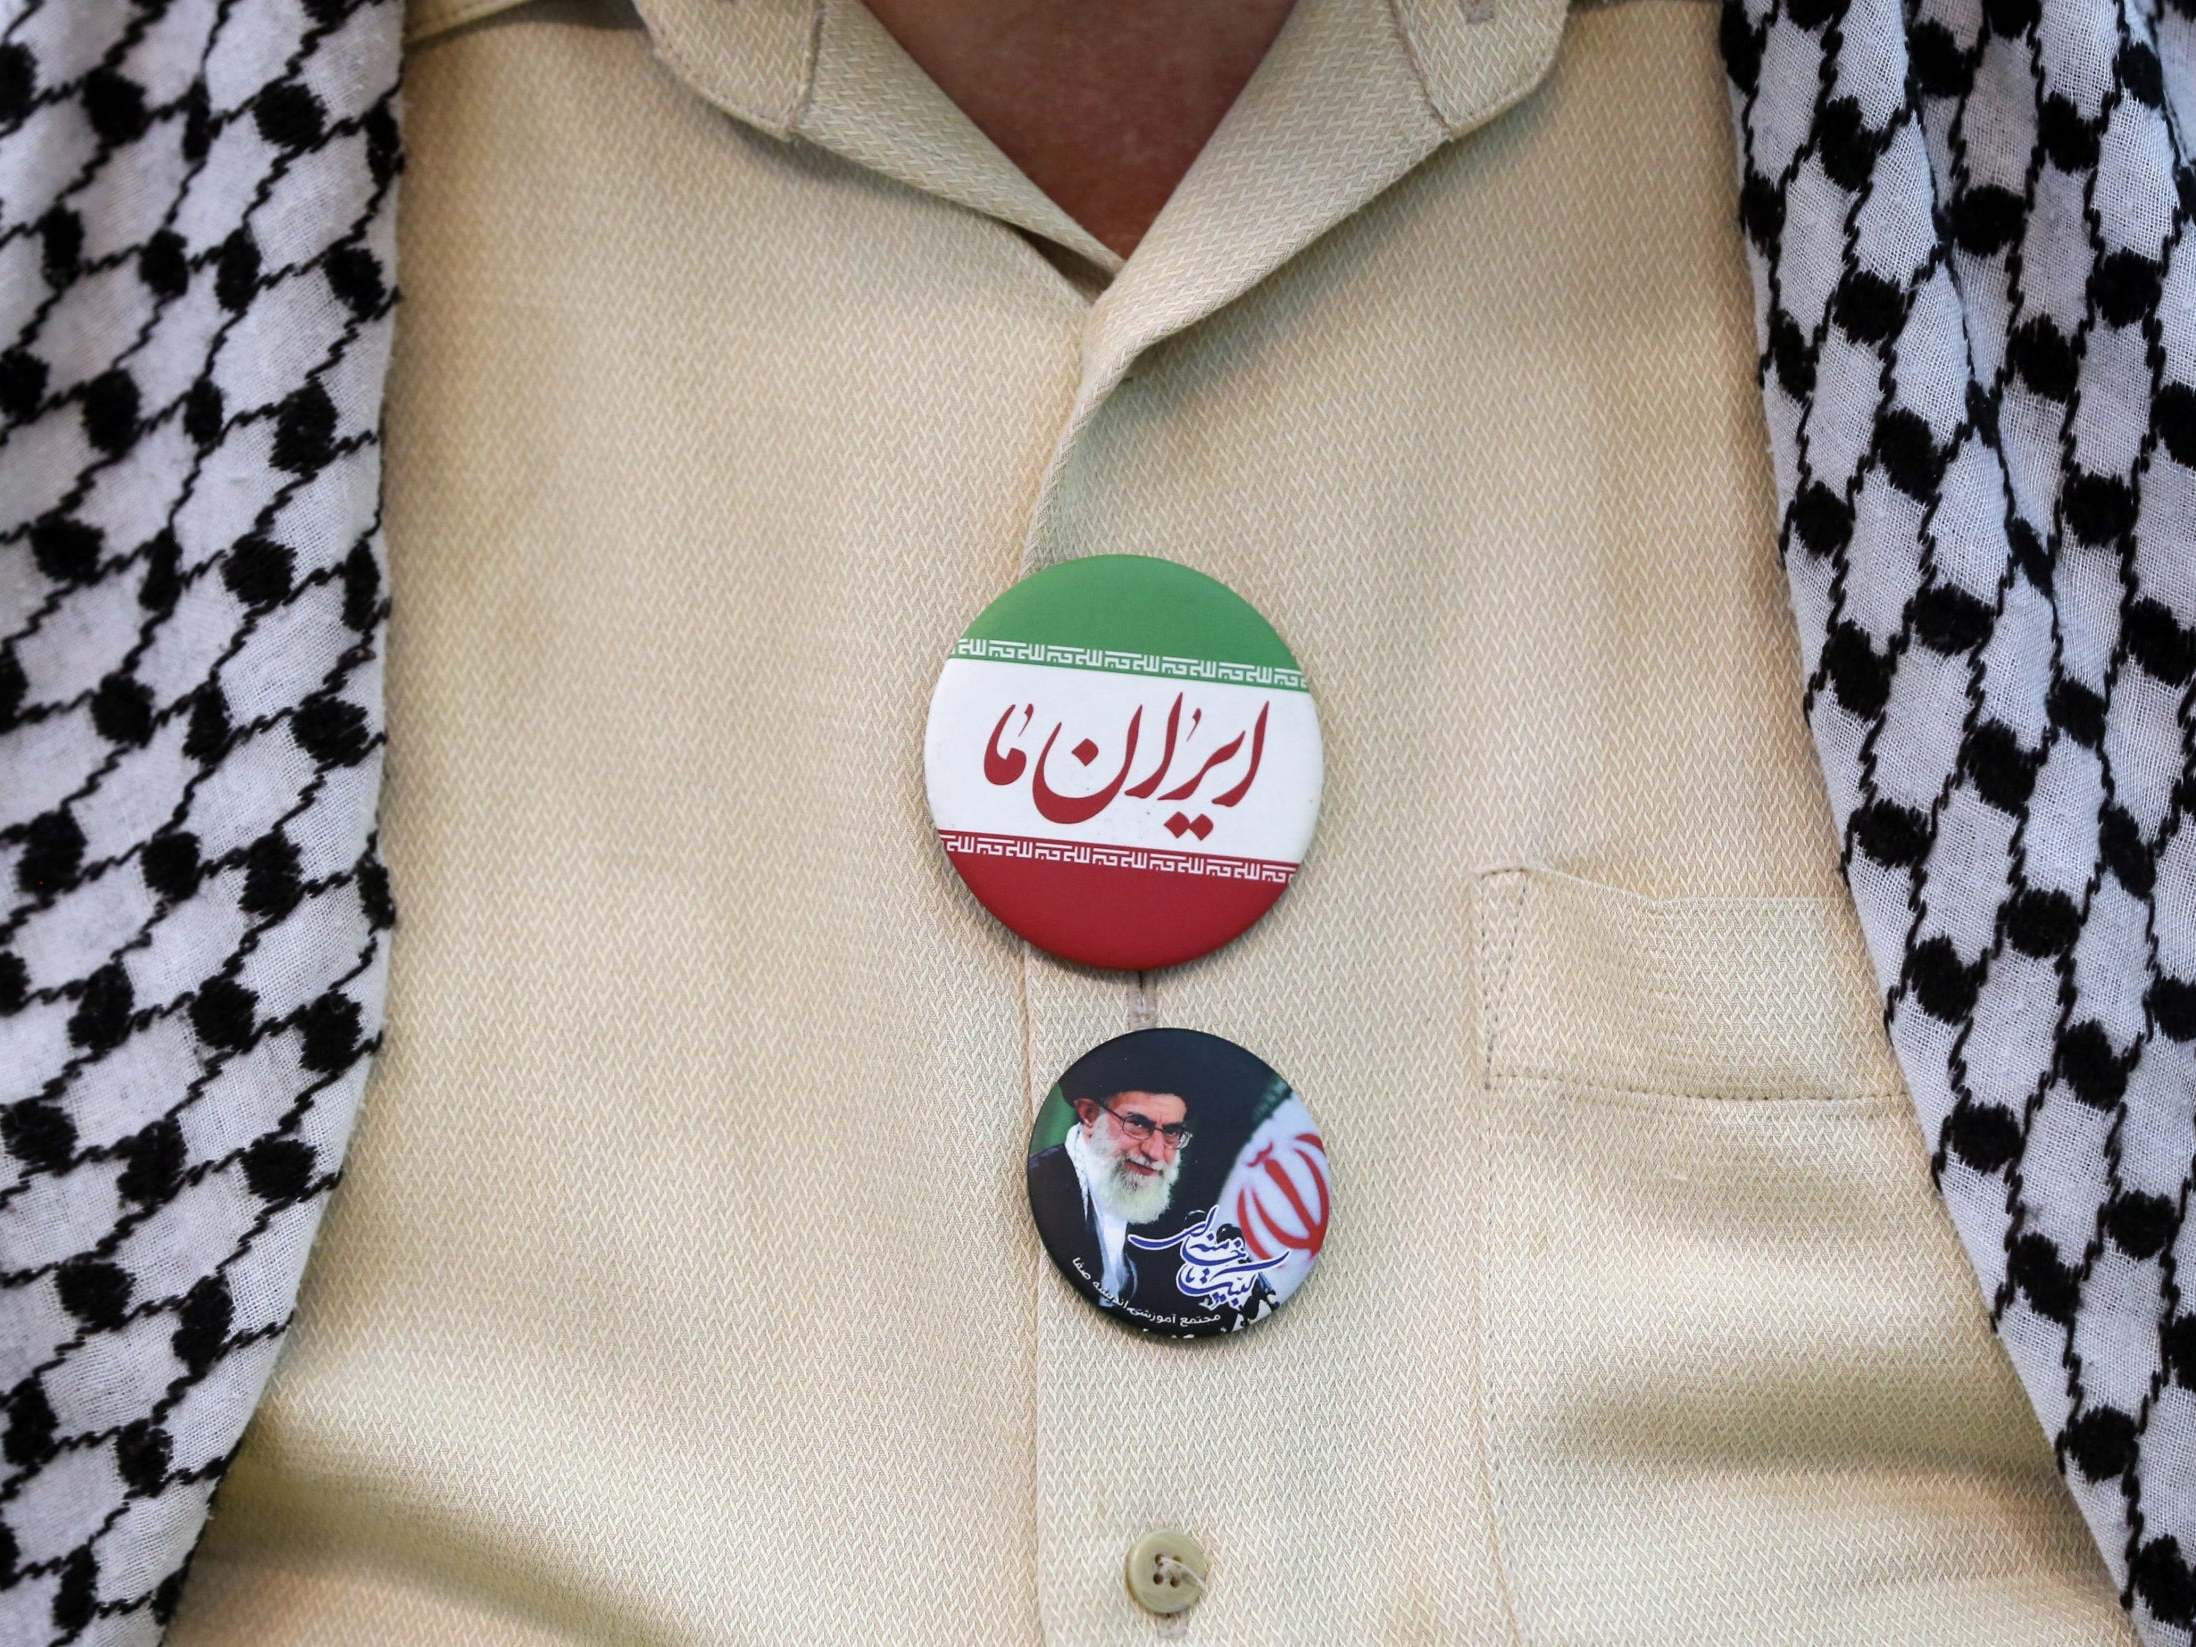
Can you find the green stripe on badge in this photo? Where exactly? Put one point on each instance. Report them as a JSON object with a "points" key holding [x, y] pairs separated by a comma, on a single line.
{"points": [[1132, 615]]}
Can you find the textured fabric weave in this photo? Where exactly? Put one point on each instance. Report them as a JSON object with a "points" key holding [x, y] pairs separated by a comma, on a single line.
{"points": [[681, 1287], [1977, 315], [196, 225]]}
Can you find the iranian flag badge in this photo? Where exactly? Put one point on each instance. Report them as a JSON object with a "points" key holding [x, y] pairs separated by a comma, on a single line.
{"points": [[1123, 761]]}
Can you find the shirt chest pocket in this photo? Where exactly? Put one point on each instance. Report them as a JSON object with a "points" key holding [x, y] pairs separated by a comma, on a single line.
{"points": [[1737, 1382]]}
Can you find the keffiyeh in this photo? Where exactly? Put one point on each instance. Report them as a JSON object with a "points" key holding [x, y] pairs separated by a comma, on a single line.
{"points": [[195, 293], [1968, 222]]}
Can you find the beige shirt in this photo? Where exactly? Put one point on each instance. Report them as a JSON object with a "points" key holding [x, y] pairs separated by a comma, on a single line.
{"points": [[682, 1287]]}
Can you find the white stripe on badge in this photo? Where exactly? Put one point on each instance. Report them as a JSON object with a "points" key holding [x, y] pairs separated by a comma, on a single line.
{"points": [[1126, 760]]}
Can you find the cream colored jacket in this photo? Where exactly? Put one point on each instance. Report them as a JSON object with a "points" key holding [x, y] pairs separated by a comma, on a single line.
{"points": [[682, 1288]]}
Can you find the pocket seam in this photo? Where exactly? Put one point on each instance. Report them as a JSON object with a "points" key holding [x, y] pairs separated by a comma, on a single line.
{"points": [[1495, 977], [1831, 1056]]}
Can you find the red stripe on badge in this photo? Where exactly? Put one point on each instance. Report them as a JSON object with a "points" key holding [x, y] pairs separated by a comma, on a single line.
{"points": [[1115, 906]]}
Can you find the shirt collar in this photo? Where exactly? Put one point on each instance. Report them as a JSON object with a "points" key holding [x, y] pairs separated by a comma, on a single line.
{"points": [[1352, 95], [759, 59]]}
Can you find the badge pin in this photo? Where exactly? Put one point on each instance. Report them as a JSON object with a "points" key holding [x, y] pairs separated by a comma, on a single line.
{"points": [[1178, 1183], [1123, 761]]}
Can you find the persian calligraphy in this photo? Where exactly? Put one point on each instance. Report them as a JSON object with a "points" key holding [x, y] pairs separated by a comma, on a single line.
{"points": [[1216, 1267], [1006, 762]]}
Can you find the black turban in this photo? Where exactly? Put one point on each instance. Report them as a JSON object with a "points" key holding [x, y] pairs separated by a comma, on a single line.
{"points": [[1199, 1069]]}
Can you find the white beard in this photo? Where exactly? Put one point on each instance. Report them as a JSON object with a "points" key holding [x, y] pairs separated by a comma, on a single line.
{"points": [[1131, 1197]]}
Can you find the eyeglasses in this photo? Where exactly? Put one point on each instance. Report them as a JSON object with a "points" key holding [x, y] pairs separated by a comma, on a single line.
{"points": [[1141, 1127]]}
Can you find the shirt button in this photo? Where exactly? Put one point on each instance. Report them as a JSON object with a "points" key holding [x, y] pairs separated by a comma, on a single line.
{"points": [[1167, 1572]]}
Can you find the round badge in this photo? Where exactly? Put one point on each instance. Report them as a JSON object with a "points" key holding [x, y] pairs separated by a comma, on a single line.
{"points": [[1178, 1183], [1123, 761]]}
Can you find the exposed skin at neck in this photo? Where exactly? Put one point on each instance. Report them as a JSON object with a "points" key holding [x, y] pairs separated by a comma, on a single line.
{"points": [[1102, 103]]}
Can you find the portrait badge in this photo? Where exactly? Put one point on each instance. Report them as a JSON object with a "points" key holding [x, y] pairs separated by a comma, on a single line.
{"points": [[1178, 1183], [1123, 761]]}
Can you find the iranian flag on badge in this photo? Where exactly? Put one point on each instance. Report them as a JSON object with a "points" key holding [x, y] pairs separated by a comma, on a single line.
{"points": [[1123, 761]]}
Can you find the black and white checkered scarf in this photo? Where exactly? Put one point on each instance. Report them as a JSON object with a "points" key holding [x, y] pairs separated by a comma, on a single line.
{"points": [[1977, 315], [195, 292], [1969, 227]]}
